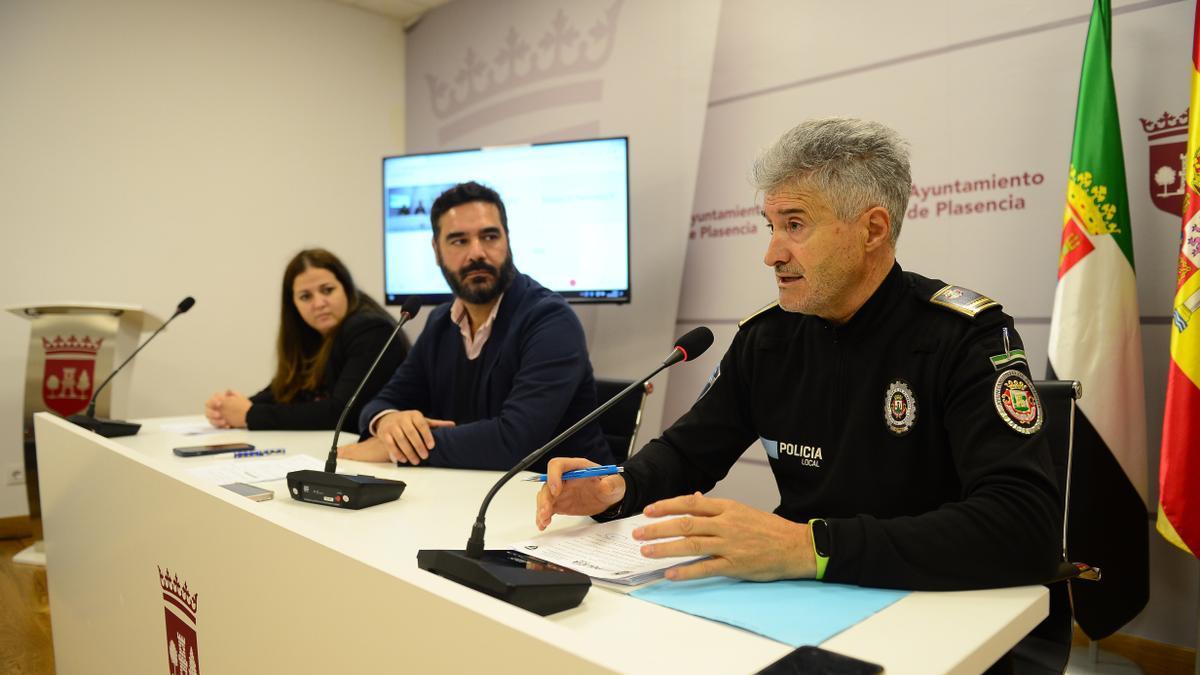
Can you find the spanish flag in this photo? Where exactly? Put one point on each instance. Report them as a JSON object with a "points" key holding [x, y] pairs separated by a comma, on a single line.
{"points": [[1179, 468], [1095, 337]]}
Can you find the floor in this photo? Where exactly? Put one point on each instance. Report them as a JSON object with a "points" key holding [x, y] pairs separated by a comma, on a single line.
{"points": [[1154, 658], [25, 643]]}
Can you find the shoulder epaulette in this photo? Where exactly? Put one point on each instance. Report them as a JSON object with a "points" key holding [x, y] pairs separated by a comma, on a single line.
{"points": [[757, 314], [962, 300]]}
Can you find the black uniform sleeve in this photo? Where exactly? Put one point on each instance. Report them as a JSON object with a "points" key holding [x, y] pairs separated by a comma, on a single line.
{"points": [[1005, 528], [362, 339], [698, 450]]}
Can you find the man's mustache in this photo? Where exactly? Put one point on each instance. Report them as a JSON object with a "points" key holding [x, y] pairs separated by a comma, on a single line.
{"points": [[477, 266]]}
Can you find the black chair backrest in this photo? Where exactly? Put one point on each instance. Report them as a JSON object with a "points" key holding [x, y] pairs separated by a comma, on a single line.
{"points": [[620, 422], [1048, 646]]}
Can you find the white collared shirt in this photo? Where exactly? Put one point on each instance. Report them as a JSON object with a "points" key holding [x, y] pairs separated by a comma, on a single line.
{"points": [[473, 344]]}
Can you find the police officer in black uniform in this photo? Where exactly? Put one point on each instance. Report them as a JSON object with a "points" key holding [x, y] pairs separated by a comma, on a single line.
{"points": [[897, 412]]}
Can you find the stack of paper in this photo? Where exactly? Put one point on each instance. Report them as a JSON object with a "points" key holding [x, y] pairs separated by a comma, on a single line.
{"points": [[254, 470], [192, 428], [605, 551]]}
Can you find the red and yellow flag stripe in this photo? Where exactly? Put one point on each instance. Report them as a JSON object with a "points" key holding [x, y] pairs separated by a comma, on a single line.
{"points": [[1179, 469]]}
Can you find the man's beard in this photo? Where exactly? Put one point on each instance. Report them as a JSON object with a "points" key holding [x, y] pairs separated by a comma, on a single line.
{"points": [[480, 294]]}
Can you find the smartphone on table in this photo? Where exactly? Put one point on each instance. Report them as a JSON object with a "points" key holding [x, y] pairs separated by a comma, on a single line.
{"points": [[258, 494], [214, 449]]}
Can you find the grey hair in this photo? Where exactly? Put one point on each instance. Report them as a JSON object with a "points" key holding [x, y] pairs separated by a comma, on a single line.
{"points": [[856, 163]]}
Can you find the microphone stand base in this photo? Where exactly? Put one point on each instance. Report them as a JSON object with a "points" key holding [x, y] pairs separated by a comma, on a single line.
{"points": [[341, 490], [542, 592], [105, 428]]}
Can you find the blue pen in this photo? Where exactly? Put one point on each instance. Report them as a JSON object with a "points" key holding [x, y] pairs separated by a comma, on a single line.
{"points": [[259, 453], [590, 472]]}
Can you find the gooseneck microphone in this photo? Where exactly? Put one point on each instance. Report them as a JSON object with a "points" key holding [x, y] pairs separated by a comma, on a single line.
{"points": [[117, 428], [540, 591], [341, 490]]}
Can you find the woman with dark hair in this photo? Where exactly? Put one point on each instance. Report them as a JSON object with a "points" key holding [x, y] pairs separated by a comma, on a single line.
{"points": [[329, 335]]}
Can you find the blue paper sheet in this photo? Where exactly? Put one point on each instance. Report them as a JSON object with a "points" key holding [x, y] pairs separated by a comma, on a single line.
{"points": [[794, 612]]}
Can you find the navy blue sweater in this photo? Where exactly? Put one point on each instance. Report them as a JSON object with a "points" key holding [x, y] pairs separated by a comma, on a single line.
{"points": [[535, 380]]}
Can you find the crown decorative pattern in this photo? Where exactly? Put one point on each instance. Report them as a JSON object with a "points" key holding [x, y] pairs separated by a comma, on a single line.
{"points": [[1166, 123], [562, 50], [1090, 201], [170, 585], [72, 345]]}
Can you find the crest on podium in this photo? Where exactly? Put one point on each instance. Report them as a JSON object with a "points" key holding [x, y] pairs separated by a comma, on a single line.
{"points": [[70, 373], [179, 605]]}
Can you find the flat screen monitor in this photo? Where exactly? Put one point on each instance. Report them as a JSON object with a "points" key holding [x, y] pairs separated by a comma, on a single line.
{"points": [[568, 216]]}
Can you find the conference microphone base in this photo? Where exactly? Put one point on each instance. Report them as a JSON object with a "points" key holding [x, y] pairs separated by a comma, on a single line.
{"points": [[542, 592], [106, 428], [341, 490]]}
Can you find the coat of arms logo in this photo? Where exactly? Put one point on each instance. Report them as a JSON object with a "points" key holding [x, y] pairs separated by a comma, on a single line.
{"points": [[1088, 214], [1167, 137], [179, 605], [69, 374]]}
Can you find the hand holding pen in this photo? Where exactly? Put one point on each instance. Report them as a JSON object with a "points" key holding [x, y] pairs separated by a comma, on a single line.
{"points": [[577, 497]]}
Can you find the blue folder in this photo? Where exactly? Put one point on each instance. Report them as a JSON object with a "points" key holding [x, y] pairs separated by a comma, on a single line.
{"points": [[794, 612]]}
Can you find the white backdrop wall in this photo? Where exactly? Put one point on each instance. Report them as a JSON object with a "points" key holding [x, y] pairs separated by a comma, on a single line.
{"points": [[982, 91], [637, 68], [154, 150]]}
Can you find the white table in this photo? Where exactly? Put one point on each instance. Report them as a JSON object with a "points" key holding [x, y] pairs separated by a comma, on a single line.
{"points": [[285, 586]]}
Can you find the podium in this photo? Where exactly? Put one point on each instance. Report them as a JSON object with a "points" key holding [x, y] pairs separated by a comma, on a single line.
{"points": [[294, 587], [73, 346]]}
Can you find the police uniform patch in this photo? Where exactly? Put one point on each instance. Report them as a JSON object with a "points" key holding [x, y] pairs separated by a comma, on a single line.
{"points": [[1017, 402], [962, 300], [899, 408], [1008, 358]]}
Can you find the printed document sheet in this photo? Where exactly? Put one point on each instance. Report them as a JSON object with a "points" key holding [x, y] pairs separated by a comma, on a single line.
{"points": [[254, 470], [605, 551], [192, 428]]}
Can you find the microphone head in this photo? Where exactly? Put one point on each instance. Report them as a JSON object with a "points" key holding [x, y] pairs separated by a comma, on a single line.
{"points": [[412, 305], [694, 342], [185, 305]]}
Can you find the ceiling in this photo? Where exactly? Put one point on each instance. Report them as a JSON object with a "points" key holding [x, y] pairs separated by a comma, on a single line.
{"points": [[407, 11]]}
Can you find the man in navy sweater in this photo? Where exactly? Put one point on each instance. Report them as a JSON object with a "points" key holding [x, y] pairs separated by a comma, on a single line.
{"points": [[497, 372]]}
